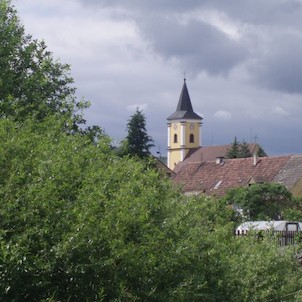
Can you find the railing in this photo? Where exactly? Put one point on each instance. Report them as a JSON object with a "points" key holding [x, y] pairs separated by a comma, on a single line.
{"points": [[282, 238]]}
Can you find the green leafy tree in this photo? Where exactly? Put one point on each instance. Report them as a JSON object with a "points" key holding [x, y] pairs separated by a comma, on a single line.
{"points": [[32, 83], [294, 213], [266, 201], [94, 133], [78, 223], [138, 142], [255, 270]]}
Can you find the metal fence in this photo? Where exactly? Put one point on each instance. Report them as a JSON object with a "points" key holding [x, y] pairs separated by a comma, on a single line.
{"points": [[282, 238]]}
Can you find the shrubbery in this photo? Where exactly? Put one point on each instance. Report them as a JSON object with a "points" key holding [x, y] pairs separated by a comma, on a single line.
{"points": [[79, 223]]}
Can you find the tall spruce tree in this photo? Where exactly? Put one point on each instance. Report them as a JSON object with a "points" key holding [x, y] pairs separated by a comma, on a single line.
{"points": [[244, 150], [234, 152], [261, 152], [138, 142], [241, 150]]}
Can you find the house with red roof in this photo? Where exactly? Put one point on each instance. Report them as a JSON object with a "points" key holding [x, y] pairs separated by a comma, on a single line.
{"points": [[217, 177]]}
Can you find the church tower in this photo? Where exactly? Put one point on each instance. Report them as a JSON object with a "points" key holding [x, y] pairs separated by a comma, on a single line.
{"points": [[184, 130]]}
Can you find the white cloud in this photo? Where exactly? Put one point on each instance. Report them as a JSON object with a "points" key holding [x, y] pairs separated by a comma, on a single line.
{"points": [[222, 114], [215, 18], [280, 111]]}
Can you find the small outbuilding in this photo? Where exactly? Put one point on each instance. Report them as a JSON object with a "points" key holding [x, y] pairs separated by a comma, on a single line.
{"points": [[287, 232], [282, 225]]}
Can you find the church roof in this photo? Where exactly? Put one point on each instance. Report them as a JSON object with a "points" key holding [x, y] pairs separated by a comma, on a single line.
{"points": [[184, 108], [210, 153]]}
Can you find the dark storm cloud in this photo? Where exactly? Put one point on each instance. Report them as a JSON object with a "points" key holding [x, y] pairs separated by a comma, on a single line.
{"points": [[148, 5], [196, 45], [259, 11], [279, 68], [199, 46], [251, 11]]}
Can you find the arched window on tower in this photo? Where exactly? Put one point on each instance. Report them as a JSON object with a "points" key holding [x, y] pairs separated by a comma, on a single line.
{"points": [[191, 138], [175, 138]]}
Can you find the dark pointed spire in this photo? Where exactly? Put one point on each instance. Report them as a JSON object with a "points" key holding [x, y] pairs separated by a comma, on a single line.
{"points": [[184, 103], [184, 108]]}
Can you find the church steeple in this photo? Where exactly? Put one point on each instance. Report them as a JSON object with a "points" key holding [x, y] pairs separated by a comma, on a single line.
{"points": [[184, 108], [183, 129]]}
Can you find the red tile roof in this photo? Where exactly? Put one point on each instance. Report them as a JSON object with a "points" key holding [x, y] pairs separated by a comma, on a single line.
{"points": [[209, 153], [215, 179], [291, 172]]}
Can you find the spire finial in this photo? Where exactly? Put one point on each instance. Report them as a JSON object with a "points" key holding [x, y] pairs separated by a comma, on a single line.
{"points": [[184, 76]]}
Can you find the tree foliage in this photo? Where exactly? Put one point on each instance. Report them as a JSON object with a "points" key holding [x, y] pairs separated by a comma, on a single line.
{"points": [[78, 223], [261, 152], [266, 201], [233, 152], [138, 142], [32, 83], [294, 212], [242, 150]]}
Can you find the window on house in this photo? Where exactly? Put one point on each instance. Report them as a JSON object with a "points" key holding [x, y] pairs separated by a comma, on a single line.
{"points": [[175, 138], [191, 138]]}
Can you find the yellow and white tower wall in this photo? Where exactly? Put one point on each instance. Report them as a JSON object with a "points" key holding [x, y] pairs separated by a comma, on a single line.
{"points": [[184, 130]]}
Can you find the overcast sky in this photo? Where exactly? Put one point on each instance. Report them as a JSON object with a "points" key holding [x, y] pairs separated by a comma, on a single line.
{"points": [[242, 59]]}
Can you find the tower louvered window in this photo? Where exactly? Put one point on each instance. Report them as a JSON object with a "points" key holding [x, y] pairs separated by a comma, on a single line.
{"points": [[175, 138]]}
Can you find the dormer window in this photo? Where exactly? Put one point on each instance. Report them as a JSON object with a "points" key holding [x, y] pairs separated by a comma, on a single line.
{"points": [[191, 138], [175, 138]]}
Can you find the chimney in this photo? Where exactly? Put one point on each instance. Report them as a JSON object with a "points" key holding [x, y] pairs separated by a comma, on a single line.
{"points": [[219, 160], [255, 159]]}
